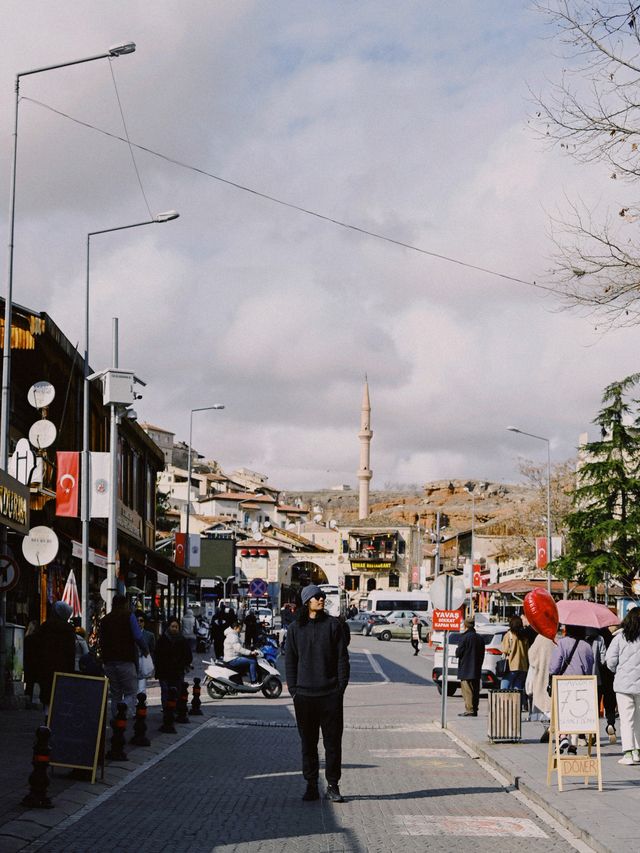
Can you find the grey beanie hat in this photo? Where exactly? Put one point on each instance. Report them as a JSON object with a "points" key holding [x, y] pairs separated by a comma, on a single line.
{"points": [[62, 610], [310, 592]]}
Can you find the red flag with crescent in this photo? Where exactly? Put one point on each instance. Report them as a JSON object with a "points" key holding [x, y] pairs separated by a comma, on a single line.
{"points": [[67, 483], [542, 555], [181, 544]]}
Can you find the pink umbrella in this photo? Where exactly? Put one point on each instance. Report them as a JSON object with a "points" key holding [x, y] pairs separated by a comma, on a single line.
{"points": [[586, 613], [70, 594]]}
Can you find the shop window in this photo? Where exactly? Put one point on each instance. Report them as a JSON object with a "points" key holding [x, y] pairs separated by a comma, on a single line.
{"points": [[371, 584], [352, 583], [401, 545], [394, 580]]}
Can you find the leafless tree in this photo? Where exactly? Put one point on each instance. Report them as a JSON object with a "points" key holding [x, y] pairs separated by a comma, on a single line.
{"points": [[593, 114]]}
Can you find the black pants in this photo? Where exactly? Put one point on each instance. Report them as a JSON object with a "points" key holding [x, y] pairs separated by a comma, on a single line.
{"points": [[606, 691], [312, 714], [416, 645]]}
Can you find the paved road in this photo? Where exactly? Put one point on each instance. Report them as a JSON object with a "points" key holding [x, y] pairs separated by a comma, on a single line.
{"points": [[235, 784]]}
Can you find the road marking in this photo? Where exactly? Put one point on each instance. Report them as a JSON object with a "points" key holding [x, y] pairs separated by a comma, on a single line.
{"points": [[375, 666], [468, 826], [414, 727], [414, 753], [273, 775]]}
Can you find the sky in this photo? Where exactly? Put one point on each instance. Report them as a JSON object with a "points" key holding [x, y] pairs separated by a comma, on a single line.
{"points": [[409, 119]]}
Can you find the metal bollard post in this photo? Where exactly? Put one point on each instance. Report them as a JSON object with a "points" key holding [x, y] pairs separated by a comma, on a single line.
{"points": [[140, 725], [169, 713], [196, 710], [119, 729], [183, 704], [39, 777]]}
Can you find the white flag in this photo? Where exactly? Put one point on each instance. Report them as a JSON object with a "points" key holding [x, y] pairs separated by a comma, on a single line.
{"points": [[100, 480], [194, 550]]}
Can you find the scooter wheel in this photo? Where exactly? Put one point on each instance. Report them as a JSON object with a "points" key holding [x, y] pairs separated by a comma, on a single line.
{"points": [[214, 691], [272, 688]]}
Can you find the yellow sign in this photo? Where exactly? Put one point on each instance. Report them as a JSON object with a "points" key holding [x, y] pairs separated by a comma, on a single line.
{"points": [[574, 711], [370, 566], [14, 503]]}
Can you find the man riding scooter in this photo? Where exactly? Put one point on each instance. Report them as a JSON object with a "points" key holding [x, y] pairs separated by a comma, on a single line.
{"points": [[236, 656]]}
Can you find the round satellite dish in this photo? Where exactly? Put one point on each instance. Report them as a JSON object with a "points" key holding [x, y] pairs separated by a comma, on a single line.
{"points": [[40, 546], [42, 434], [317, 518], [333, 524], [103, 590], [266, 525], [41, 395]]}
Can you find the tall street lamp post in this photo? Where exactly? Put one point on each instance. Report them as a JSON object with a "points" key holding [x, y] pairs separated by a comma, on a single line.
{"points": [[161, 217], [216, 407], [116, 50], [470, 488], [542, 438]]}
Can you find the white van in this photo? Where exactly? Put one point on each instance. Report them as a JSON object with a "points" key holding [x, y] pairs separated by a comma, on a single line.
{"points": [[384, 600]]}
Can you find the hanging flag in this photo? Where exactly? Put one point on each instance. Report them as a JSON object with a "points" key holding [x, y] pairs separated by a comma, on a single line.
{"points": [[194, 550], [181, 541], [67, 483], [100, 479], [542, 556], [70, 594]]}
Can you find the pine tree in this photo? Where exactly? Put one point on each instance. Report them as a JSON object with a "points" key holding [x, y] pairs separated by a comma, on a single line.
{"points": [[604, 527]]}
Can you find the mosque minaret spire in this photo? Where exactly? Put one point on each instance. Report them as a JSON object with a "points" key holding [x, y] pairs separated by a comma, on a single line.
{"points": [[365, 435]]}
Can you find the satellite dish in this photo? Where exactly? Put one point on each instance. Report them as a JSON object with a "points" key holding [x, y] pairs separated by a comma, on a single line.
{"points": [[333, 524], [42, 434], [266, 525], [317, 518], [41, 395], [40, 546]]}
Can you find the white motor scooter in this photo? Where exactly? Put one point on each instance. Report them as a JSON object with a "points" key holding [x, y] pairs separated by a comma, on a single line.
{"points": [[222, 680]]}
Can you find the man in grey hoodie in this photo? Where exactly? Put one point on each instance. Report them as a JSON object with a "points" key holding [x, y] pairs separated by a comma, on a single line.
{"points": [[317, 668]]}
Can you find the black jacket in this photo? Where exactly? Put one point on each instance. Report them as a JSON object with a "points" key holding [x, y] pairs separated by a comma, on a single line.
{"points": [[317, 658], [470, 654], [173, 656]]}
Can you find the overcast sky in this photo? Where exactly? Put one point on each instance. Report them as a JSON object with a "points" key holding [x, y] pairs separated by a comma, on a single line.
{"points": [[409, 119]]}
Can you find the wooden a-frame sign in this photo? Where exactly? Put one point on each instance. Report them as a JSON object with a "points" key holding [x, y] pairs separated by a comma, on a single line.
{"points": [[574, 711]]}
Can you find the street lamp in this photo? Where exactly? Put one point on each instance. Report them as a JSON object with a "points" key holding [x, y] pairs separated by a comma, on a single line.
{"points": [[470, 489], [542, 438], [216, 407], [161, 217], [116, 50]]}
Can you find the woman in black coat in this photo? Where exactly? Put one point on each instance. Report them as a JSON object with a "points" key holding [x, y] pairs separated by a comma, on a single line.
{"points": [[173, 658], [55, 648]]}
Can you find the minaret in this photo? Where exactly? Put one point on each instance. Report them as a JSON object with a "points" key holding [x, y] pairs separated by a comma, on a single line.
{"points": [[365, 435]]}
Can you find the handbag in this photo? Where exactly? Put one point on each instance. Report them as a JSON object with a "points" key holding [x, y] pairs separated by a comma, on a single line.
{"points": [[145, 666], [502, 667], [564, 667]]}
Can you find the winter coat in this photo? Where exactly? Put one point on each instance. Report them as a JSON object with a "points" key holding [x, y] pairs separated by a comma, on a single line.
{"points": [[581, 662], [173, 656], [56, 651], [188, 623], [233, 648], [539, 660], [470, 653], [517, 651], [623, 658], [120, 633], [317, 657]]}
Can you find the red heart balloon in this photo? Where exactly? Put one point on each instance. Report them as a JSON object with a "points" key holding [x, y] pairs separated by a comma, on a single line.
{"points": [[542, 612]]}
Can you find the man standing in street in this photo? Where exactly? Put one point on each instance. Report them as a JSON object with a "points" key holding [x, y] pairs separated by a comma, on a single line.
{"points": [[470, 654], [317, 669], [119, 635]]}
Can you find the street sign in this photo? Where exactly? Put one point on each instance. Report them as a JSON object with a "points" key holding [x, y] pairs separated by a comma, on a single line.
{"points": [[447, 620], [258, 587], [40, 546], [9, 574], [438, 593]]}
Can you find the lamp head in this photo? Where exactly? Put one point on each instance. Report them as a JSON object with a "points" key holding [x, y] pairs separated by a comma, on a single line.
{"points": [[166, 217], [122, 49], [513, 429]]}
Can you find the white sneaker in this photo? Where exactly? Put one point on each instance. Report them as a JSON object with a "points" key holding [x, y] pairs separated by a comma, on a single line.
{"points": [[636, 756], [627, 758], [611, 731], [564, 744]]}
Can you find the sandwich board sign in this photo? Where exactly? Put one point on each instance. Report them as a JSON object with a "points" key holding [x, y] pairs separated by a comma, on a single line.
{"points": [[574, 711]]}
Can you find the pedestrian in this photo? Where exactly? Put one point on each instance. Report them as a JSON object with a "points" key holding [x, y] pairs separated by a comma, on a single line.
{"points": [[470, 653], [236, 656], [144, 664], [600, 640], [216, 633], [623, 659], [55, 648], [317, 669], [189, 629], [538, 677], [120, 634], [173, 658], [571, 656], [516, 648], [250, 629], [416, 635], [82, 647]]}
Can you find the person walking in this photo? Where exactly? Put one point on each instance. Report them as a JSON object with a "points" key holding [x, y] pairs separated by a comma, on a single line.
{"points": [[189, 629], [600, 640], [219, 625], [571, 656], [416, 635], [150, 640], [120, 633], [250, 629], [173, 658], [623, 659], [516, 649], [317, 670], [470, 653], [538, 675], [55, 647]]}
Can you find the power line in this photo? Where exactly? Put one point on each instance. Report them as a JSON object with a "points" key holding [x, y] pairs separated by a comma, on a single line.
{"points": [[307, 211]]}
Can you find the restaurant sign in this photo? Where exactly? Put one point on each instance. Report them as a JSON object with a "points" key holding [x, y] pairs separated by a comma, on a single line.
{"points": [[14, 503], [371, 565]]}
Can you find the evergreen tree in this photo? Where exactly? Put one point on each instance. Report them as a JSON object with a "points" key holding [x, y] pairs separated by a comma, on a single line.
{"points": [[604, 527]]}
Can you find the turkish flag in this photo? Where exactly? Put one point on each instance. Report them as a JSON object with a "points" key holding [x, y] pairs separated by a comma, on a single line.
{"points": [[67, 483], [181, 544], [542, 555]]}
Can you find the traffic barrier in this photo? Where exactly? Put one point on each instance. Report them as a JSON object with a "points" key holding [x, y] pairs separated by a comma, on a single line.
{"points": [[196, 702], [119, 729], [169, 712], [39, 777], [140, 724]]}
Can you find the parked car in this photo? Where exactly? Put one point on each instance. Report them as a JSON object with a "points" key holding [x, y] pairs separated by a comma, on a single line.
{"points": [[492, 636], [359, 622], [265, 614]]}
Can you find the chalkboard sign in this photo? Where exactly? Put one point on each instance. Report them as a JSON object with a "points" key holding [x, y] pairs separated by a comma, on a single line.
{"points": [[577, 699], [574, 711], [76, 719]]}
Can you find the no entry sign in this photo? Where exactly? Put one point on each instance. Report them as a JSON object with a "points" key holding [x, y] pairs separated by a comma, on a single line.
{"points": [[447, 620]]}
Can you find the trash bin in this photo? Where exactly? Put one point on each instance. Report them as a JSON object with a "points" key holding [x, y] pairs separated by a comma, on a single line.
{"points": [[505, 721]]}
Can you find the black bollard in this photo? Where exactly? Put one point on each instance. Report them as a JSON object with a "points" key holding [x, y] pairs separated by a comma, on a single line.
{"points": [[169, 712], [119, 729], [183, 704], [140, 724], [39, 777], [196, 710]]}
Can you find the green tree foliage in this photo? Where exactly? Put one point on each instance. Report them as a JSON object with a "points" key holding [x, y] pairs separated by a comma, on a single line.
{"points": [[603, 530]]}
